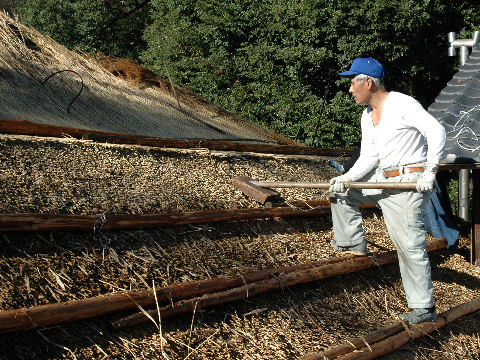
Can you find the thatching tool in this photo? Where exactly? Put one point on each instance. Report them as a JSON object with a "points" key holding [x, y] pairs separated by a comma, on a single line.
{"points": [[259, 190]]}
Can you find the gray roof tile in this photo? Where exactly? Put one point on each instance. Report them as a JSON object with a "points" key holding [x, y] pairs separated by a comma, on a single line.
{"points": [[457, 107]]}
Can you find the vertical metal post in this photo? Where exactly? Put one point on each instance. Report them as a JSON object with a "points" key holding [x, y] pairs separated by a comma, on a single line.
{"points": [[463, 174], [476, 40], [475, 236], [463, 55], [451, 49], [463, 194]]}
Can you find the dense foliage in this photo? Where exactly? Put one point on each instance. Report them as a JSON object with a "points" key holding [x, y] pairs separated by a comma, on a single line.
{"points": [[273, 61], [108, 26]]}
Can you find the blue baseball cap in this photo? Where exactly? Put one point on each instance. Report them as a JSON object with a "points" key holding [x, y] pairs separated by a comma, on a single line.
{"points": [[368, 66]]}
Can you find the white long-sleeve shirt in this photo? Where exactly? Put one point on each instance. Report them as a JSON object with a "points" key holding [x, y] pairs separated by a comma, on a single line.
{"points": [[399, 139]]}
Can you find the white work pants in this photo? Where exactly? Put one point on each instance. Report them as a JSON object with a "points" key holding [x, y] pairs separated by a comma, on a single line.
{"points": [[403, 214]]}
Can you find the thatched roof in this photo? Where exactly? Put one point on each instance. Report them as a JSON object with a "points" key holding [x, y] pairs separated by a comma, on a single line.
{"points": [[42, 81], [69, 176]]}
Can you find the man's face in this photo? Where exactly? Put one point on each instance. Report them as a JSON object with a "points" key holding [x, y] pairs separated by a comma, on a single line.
{"points": [[360, 90]]}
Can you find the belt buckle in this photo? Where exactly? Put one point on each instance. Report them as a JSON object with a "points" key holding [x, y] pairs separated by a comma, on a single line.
{"points": [[391, 168]]}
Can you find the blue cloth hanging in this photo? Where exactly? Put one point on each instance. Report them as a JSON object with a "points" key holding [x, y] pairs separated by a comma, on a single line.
{"points": [[438, 222]]}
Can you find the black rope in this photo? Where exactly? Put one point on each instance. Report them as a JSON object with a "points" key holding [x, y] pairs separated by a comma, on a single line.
{"points": [[76, 96]]}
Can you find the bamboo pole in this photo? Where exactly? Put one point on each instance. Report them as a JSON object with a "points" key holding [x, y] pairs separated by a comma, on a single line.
{"points": [[261, 190], [349, 185], [357, 343], [66, 222], [52, 314], [23, 127], [255, 288], [413, 332]]}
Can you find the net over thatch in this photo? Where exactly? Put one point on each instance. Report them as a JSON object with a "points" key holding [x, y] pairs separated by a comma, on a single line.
{"points": [[42, 81]]}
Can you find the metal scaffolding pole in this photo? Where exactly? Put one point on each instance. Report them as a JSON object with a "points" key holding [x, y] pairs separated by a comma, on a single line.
{"points": [[463, 194]]}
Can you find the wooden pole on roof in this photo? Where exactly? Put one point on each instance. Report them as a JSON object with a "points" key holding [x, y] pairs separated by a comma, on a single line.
{"points": [[52, 314], [22, 127], [66, 222], [356, 343], [367, 350], [352, 264]]}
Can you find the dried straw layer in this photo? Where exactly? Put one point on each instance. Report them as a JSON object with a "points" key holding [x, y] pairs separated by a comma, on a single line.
{"points": [[45, 268], [71, 176], [80, 177]]}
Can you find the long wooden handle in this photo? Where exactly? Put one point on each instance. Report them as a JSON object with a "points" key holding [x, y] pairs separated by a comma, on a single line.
{"points": [[350, 185]]}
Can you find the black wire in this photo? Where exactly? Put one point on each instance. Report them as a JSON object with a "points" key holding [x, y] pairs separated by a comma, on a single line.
{"points": [[76, 96]]}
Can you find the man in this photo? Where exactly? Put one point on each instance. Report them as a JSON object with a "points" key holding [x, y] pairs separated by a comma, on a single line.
{"points": [[395, 132]]}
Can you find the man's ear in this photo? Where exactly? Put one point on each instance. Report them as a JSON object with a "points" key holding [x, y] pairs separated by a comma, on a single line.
{"points": [[370, 83]]}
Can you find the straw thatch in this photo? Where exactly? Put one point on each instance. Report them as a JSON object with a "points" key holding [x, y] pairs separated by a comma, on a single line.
{"points": [[80, 177], [74, 176], [42, 81]]}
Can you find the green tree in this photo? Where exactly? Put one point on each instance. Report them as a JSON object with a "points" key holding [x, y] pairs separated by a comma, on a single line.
{"points": [[111, 27], [271, 60]]}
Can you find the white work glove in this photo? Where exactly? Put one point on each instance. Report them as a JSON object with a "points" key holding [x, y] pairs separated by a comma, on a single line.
{"points": [[337, 184], [426, 181]]}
